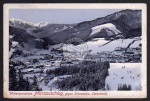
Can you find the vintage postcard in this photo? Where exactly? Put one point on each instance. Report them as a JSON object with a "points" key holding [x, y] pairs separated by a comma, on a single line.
{"points": [[75, 50]]}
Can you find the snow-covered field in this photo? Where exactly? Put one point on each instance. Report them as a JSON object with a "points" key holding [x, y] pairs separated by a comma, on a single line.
{"points": [[101, 45], [112, 29], [98, 46], [124, 73]]}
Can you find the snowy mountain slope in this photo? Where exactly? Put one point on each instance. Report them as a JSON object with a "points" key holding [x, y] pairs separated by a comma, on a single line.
{"points": [[130, 18], [127, 23], [20, 24], [25, 25], [109, 27], [24, 39], [128, 75], [41, 24], [101, 45], [39, 30]]}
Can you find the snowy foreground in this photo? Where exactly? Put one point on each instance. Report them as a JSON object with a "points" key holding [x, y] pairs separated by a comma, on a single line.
{"points": [[124, 73]]}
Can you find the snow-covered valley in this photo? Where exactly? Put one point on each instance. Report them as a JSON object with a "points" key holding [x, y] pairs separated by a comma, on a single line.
{"points": [[38, 62]]}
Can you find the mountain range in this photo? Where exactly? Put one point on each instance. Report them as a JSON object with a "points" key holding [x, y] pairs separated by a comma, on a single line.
{"points": [[123, 24]]}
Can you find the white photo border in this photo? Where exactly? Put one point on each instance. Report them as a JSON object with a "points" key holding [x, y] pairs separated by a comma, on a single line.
{"points": [[108, 94]]}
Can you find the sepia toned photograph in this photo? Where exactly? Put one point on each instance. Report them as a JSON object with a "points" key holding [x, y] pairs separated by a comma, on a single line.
{"points": [[75, 51]]}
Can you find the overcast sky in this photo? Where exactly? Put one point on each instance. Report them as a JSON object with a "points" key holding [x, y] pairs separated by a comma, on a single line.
{"points": [[59, 16]]}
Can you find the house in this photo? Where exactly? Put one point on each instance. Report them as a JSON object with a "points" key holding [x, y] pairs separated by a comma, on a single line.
{"points": [[104, 54], [91, 56], [137, 56], [136, 50], [66, 63], [30, 70], [120, 49]]}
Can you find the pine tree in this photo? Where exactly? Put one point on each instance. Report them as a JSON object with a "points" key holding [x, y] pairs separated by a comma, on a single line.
{"points": [[118, 86], [21, 82], [125, 87], [35, 84], [12, 79], [27, 86], [107, 87], [129, 87]]}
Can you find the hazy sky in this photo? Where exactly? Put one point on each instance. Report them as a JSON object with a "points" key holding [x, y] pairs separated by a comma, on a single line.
{"points": [[66, 16]]}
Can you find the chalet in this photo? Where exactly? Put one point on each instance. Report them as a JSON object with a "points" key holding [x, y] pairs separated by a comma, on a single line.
{"points": [[39, 66], [27, 62], [91, 57], [26, 53], [47, 65], [120, 49], [66, 63], [136, 50], [30, 66], [137, 56], [105, 54], [129, 53], [31, 70]]}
